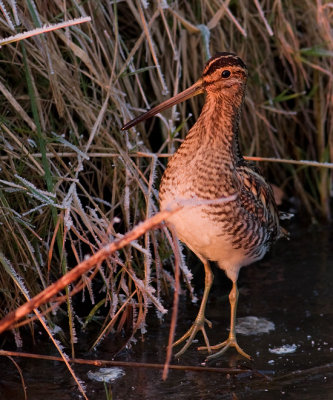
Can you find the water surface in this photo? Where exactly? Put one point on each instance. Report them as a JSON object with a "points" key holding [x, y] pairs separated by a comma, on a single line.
{"points": [[291, 288]]}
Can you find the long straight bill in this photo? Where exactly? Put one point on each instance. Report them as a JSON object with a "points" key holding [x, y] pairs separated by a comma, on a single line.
{"points": [[193, 90]]}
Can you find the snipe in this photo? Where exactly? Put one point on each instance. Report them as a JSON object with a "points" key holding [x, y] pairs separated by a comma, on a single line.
{"points": [[209, 166]]}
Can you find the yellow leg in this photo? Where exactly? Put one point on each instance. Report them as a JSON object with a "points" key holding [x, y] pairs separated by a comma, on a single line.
{"points": [[199, 323], [231, 341]]}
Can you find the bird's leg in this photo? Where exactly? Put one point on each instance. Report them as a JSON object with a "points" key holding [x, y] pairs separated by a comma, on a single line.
{"points": [[199, 323], [231, 341]]}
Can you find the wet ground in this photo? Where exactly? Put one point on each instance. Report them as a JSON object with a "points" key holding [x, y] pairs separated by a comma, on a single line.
{"points": [[292, 289]]}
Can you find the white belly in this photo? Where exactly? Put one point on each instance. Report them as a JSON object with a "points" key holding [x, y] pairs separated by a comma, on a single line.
{"points": [[208, 240]]}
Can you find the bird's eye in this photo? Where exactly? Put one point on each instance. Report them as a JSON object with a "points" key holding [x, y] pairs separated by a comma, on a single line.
{"points": [[226, 73]]}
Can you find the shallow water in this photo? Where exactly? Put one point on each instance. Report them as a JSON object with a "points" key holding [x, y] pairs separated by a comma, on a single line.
{"points": [[291, 288]]}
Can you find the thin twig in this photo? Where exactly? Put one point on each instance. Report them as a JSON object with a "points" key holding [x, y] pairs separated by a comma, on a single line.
{"points": [[174, 315], [101, 363], [295, 162], [262, 15], [307, 163], [20, 373]]}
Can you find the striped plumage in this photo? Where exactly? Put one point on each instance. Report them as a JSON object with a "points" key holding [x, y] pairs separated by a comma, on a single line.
{"points": [[209, 166]]}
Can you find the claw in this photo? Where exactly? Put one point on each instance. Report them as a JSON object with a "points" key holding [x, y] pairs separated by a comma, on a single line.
{"points": [[198, 325], [224, 346]]}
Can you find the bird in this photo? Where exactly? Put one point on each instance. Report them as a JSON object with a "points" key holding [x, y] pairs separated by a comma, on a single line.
{"points": [[208, 169]]}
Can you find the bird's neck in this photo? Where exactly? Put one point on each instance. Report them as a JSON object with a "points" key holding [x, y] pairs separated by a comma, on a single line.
{"points": [[218, 125]]}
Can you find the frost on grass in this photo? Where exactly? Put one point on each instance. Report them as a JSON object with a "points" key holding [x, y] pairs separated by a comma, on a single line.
{"points": [[33, 210], [19, 281], [88, 285], [7, 16], [43, 196], [67, 204], [70, 145], [14, 10], [43, 29]]}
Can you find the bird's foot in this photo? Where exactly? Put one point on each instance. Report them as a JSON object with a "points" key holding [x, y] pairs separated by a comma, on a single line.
{"points": [[198, 325], [224, 346]]}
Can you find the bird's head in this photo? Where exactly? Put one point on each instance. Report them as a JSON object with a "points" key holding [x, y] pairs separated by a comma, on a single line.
{"points": [[225, 74]]}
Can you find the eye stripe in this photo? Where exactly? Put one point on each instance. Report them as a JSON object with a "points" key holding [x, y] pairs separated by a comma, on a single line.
{"points": [[223, 60]]}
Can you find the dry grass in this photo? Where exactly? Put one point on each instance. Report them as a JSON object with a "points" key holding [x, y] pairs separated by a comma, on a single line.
{"points": [[71, 182]]}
